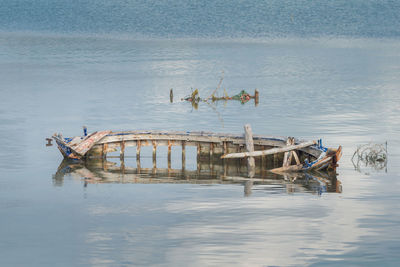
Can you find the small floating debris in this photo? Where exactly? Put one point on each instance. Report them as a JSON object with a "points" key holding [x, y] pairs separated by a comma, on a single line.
{"points": [[371, 155], [49, 142], [243, 96]]}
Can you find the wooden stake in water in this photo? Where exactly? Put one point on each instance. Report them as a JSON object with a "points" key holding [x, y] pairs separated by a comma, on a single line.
{"points": [[248, 134]]}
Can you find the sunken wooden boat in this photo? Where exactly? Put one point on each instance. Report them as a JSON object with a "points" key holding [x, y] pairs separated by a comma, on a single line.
{"points": [[287, 153]]}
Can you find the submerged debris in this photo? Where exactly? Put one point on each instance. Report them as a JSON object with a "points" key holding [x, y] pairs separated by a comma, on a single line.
{"points": [[370, 155], [242, 96]]}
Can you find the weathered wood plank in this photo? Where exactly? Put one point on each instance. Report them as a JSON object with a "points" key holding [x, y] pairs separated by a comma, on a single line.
{"points": [[169, 154], [248, 134], [183, 155], [138, 145], [122, 150], [84, 146], [296, 157], [286, 155], [154, 150], [269, 151], [104, 152], [292, 168], [192, 138]]}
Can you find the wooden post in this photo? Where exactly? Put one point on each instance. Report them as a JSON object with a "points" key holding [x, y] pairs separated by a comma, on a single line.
{"points": [[154, 148], [171, 95], [137, 149], [256, 97], [104, 151], [198, 151], [198, 157], [290, 142], [251, 165], [286, 155], [122, 150], [183, 155], [154, 153], [247, 188], [122, 166], [169, 154], [263, 158], [296, 157], [138, 165], [138, 156]]}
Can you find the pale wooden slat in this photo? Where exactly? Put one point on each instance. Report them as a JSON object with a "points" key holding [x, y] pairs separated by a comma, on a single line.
{"points": [[269, 151], [250, 148]]}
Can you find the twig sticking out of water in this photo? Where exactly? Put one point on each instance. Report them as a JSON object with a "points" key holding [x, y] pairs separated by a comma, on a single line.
{"points": [[372, 155]]}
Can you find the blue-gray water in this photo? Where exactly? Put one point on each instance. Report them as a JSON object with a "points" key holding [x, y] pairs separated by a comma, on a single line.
{"points": [[327, 69]]}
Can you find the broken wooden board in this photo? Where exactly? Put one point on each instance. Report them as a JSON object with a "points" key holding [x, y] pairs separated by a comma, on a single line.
{"points": [[268, 152], [87, 143], [291, 168]]}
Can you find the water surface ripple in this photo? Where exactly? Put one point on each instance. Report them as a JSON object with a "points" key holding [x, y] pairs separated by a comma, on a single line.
{"points": [[343, 90]]}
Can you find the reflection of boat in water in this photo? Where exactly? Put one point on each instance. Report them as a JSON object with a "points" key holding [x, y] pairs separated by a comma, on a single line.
{"points": [[101, 171]]}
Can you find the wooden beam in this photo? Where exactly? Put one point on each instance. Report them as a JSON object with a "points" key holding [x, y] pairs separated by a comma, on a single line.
{"points": [[138, 165], [169, 154], [248, 134], [286, 155], [104, 152], [296, 157], [138, 149], [154, 154], [154, 150], [292, 168], [122, 150], [269, 151], [183, 155], [256, 97]]}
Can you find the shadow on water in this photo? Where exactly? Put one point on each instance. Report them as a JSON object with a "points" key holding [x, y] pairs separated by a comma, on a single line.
{"points": [[210, 173]]}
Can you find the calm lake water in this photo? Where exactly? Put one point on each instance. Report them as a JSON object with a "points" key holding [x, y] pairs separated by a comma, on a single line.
{"points": [[342, 87]]}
